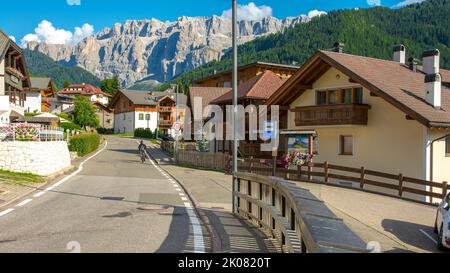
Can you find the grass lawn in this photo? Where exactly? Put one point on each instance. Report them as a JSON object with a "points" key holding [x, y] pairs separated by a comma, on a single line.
{"points": [[125, 135], [19, 178]]}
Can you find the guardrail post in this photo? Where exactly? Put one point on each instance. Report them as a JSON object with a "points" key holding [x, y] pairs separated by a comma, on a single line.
{"points": [[299, 172], [363, 178], [250, 165], [444, 189], [326, 170], [400, 185]]}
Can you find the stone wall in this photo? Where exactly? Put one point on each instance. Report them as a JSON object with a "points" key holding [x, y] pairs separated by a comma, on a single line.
{"points": [[42, 158]]}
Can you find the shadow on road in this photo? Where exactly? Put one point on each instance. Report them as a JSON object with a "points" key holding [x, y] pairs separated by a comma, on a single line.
{"points": [[411, 234]]}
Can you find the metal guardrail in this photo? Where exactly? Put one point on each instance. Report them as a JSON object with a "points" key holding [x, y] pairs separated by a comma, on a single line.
{"points": [[294, 217], [30, 132]]}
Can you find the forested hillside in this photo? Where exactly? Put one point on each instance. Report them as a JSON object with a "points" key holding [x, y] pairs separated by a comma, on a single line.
{"points": [[42, 66], [369, 32]]}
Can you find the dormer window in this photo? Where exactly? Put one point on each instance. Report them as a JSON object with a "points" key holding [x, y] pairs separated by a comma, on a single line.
{"points": [[340, 96]]}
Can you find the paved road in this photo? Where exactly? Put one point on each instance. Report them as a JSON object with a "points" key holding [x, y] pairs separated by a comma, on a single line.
{"points": [[115, 204]]}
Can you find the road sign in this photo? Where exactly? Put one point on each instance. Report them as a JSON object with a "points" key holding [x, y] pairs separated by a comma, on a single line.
{"points": [[177, 126]]}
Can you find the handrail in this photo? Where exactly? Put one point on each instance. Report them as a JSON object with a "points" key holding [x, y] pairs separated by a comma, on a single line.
{"points": [[293, 216], [323, 173]]}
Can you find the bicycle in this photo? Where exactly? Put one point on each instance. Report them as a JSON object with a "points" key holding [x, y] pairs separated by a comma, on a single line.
{"points": [[142, 156]]}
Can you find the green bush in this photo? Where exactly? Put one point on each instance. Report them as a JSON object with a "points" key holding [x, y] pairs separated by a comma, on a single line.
{"points": [[105, 131], [70, 126], [143, 133], [84, 143]]}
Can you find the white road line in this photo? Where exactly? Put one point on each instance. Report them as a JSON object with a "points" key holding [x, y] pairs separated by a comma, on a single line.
{"points": [[184, 199], [23, 203], [428, 236], [3, 213], [65, 179], [178, 189], [187, 205], [181, 194]]}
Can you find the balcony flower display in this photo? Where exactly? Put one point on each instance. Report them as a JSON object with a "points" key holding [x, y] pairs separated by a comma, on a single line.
{"points": [[296, 159], [27, 132]]}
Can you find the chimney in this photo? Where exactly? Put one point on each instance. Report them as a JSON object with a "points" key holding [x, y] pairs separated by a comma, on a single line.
{"points": [[412, 63], [399, 54], [432, 77], [338, 47], [430, 61]]}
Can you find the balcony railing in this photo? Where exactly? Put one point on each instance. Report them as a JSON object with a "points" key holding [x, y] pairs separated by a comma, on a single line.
{"points": [[165, 123], [166, 109], [339, 114]]}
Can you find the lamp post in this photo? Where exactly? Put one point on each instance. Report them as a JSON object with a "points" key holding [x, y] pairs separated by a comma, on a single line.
{"points": [[233, 115]]}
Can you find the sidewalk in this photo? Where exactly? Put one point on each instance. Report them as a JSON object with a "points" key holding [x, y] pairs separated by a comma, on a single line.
{"points": [[212, 191]]}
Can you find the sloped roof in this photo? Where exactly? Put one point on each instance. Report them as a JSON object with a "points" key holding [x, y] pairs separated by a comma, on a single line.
{"points": [[150, 98], [87, 89], [392, 81], [40, 83], [4, 44], [259, 87], [208, 94]]}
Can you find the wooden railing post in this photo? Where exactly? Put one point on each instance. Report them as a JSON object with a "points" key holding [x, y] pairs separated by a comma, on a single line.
{"points": [[250, 166], [299, 173], [363, 177], [326, 170], [400, 185], [444, 189]]}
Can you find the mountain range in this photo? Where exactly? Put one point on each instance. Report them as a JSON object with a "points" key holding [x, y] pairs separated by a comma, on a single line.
{"points": [[157, 51]]}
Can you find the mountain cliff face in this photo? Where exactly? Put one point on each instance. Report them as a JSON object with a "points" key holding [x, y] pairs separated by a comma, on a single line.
{"points": [[156, 50]]}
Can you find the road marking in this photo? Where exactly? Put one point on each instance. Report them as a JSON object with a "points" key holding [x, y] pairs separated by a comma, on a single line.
{"points": [[178, 189], [187, 205], [184, 199], [23, 203], [181, 194], [3, 213], [429, 236], [65, 179]]}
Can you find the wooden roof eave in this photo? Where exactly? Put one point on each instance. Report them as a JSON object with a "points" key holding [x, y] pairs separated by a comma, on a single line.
{"points": [[377, 91]]}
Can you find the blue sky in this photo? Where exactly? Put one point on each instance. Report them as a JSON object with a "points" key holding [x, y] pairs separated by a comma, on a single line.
{"points": [[24, 16]]}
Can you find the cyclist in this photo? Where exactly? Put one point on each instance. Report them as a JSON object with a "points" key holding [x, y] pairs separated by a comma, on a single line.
{"points": [[142, 148]]}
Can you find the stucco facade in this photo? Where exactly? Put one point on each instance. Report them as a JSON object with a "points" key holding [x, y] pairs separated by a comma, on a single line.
{"points": [[389, 142]]}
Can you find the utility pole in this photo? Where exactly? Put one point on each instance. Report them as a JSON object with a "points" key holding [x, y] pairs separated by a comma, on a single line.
{"points": [[176, 124], [233, 115]]}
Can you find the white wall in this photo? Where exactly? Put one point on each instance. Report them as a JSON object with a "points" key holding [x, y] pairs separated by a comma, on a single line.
{"points": [[42, 158], [33, 102], [124, 122], [100, 99], [152, 123]]}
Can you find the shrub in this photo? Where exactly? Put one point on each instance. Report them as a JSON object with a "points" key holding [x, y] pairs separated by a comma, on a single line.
{"points": [[143, 133], [84, 143], [70, 126], [105, 131]]}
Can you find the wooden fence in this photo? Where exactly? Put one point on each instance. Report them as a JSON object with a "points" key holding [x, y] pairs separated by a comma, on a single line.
{"points": [[396, 185], [213, 161]]}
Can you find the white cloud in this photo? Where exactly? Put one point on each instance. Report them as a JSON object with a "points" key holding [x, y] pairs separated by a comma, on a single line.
{"points": [[315, 13], [374, 2], [12, 38], [250, 12], [47, 33], [74, 2], [406, 3]]}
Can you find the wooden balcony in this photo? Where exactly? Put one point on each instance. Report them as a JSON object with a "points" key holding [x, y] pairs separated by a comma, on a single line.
{"points": [[166, 109], [165, 124], [339, 114]]}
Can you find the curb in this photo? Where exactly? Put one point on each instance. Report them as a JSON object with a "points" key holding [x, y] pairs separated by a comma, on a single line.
{"points": [[216, 243]]}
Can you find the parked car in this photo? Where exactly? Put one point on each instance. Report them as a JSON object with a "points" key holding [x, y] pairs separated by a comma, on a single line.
{"points": [[442, 225]]}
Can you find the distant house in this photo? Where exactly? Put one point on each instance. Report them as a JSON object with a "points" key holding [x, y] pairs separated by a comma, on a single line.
{"points": [[37, 95], [104, 115], [94, 94], [14, 80], [135, 109], [388, 116], [255, 91], [245, 73]]}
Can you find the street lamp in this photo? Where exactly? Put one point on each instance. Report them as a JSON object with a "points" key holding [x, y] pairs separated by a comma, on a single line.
{"points": [[233, 114]]}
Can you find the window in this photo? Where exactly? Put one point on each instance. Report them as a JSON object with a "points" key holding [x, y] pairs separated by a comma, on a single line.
{"points": [[141, 116], [124, 117], [147, 117], [340, 96], [447, 146], [346, 145]]}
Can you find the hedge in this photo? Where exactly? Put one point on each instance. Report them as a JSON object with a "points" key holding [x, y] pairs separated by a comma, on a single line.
{"points": [[143, 133], [84, 143], [71, 126], [105, 131]]}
